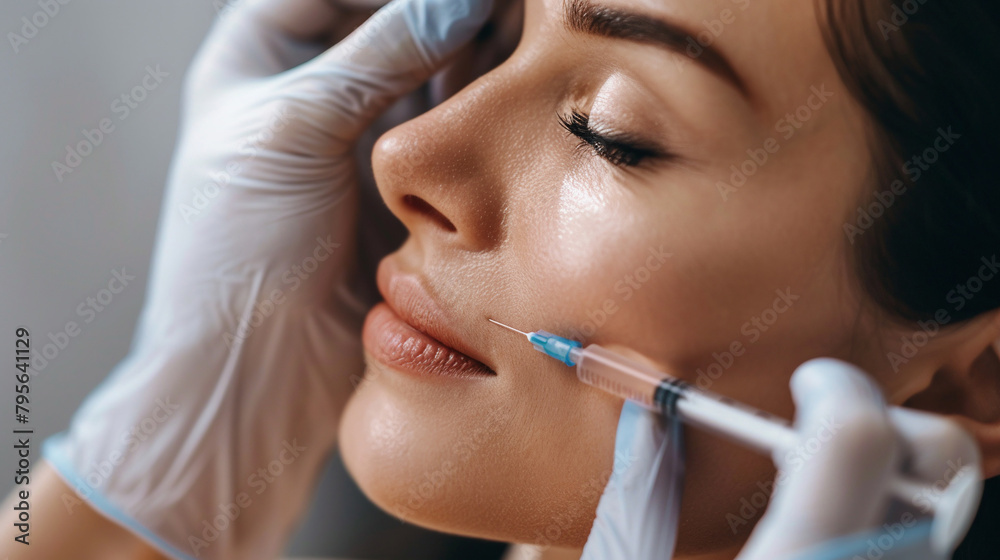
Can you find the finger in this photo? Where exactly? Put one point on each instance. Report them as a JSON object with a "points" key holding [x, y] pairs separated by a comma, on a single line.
{"points": [[936, 447], [392, 53], [638, 511], [834, 481], [254, 38], [946, 459]]}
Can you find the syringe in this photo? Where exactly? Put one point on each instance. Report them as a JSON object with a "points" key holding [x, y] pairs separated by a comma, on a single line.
{"points": [[738, 422]]}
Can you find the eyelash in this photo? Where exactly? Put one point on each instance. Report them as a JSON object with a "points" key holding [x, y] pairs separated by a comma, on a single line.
{"points": [[620, 152]]}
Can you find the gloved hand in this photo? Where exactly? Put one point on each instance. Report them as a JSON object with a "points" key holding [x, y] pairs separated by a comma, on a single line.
{"points": [[640, 507], [207, 439], [835, 505]]}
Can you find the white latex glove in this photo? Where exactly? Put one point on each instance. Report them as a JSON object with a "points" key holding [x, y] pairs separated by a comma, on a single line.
{"points": [[836, 502], [638, 511], [832, 499], [207, 439]]}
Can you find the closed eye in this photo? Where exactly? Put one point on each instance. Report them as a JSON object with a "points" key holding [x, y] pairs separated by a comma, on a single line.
{"points": [[618, 150]]}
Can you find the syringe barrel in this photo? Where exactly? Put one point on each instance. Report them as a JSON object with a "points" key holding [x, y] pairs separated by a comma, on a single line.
{"points": [[617, 375], [736, 421], [643, 384], [653, 389]]}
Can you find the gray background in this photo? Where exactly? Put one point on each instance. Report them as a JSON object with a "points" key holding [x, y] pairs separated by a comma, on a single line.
{"points": [[59, 241]]}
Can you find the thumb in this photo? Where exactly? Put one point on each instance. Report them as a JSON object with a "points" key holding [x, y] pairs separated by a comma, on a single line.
{"points": [[833, 480], [391, 54], [847, 446]]}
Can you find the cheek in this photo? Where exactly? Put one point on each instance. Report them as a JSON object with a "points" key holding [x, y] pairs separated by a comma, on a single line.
{"points": [[675, 274], [716, 294], [607, 264], [573, 243]]}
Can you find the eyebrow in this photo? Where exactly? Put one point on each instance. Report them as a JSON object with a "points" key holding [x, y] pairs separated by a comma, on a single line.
{"points": [[603, 21]]}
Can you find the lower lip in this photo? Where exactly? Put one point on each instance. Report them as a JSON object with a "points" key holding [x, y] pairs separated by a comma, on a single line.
{"points": [[392, 342]]}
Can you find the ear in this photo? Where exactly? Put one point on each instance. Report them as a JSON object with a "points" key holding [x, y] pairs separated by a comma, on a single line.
{"points": [[967, 386]]}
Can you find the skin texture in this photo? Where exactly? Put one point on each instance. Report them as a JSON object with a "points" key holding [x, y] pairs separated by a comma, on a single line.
{"points": [[64, 526], [546, 233], [524, 456]]}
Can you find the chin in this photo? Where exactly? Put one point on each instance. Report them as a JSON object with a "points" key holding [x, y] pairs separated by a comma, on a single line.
{"points": [[406, 471], [463, 476]]}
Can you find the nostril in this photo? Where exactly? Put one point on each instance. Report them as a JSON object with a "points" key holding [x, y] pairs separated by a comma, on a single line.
{"points": [[421, 206]]}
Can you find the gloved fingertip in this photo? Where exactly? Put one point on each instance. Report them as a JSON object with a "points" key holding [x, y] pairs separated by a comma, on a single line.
{"points": [[441, 26], [833, 380], [627, 424]]}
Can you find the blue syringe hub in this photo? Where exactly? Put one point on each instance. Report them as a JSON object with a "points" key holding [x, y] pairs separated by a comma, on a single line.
{"points": [[555, 346]]}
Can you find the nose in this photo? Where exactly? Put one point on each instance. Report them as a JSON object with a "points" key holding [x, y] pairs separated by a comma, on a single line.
{"points": [[443, 173]]}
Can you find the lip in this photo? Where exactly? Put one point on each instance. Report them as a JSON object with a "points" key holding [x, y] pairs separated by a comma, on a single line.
{"points": [[409, 332]]}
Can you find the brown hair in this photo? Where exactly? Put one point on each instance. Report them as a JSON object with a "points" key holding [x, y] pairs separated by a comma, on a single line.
{"points": [[928, 236]]}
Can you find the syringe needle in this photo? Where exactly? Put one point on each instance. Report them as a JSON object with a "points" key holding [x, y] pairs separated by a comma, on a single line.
{"points": [[507, 327]]}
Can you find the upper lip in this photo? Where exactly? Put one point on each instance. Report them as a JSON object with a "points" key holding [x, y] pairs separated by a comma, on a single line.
{"points": [[407, 295]]}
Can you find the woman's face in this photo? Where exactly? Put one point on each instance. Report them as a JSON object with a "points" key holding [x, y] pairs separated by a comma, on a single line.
{"points": [[714, 245]]}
